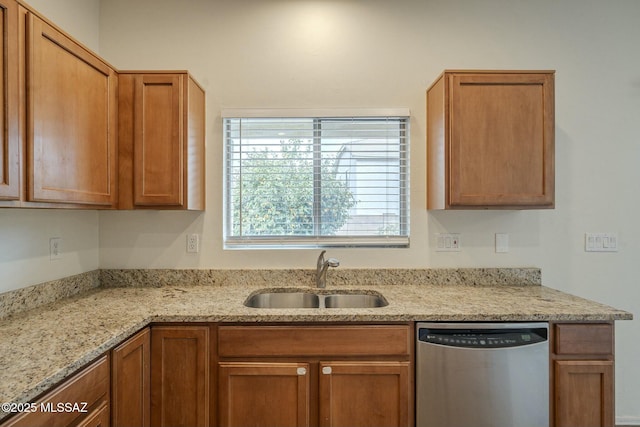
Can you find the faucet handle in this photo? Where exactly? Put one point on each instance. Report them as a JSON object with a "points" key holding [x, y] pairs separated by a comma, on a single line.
{"points": [[332, 262]]}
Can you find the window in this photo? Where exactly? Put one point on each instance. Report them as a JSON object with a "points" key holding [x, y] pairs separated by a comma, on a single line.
{"points": [[316, 181]]}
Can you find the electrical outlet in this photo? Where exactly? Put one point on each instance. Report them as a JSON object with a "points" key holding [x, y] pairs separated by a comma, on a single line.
{"points": [[447, 242], [193, 243], [55, 248]]}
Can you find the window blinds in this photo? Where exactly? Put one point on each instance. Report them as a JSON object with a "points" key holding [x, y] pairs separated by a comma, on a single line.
{"points": [[316, 181]]}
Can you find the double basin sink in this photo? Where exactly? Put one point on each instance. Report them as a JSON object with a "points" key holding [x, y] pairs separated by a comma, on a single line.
{"points": [[277, 298]]}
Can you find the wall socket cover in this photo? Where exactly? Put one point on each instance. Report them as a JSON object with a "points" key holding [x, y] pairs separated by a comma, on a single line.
{"points": [[193, 243], [55, 248]]}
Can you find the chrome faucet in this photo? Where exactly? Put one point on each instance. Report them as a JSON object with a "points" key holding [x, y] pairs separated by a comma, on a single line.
{"points": [[321, 271]]}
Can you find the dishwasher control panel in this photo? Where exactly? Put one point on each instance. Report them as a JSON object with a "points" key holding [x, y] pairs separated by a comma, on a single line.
{"points": [[483, 338]]}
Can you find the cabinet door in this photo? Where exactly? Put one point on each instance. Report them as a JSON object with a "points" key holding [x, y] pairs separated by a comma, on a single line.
{"points": [[584, 393], [501, 139], [263, 394], [9, 144], [158, 140], [356, 394], [71, 120], [180, 376], [130, 377]]}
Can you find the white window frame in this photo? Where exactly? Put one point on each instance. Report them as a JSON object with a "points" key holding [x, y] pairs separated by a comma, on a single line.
{"points": [[399, 240]]}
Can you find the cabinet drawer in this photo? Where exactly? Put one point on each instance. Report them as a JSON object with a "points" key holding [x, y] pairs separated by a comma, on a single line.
{"points": [[364, 340], [99, 417], [585, 338], [89, 386]]}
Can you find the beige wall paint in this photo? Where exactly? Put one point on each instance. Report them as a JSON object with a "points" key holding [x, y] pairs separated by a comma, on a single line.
{"points": [[24, 245], [79, 18], [377, 53], [25, 233]]}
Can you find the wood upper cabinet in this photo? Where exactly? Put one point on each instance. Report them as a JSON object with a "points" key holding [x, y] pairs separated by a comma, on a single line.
{"points": [[90, 386], [161, 138], [130, 381], [490, 140], [583, 375], [71, 119], [276, 393], [180, 376], [74, 132], [9, 102]]}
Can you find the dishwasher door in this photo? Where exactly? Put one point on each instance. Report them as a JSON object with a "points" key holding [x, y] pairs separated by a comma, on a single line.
{"points": [[482, 375]]}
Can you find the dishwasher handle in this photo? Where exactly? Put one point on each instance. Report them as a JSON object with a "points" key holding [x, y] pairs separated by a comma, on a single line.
{"points": [[483, 338]]}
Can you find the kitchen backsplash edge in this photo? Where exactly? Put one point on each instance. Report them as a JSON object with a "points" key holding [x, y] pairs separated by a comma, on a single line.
{"points": [[31, 297], [34, 296]]}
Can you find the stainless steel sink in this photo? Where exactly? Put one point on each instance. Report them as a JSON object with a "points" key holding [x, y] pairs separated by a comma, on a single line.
{"points": [[305, 299], [354, 301], [283, 300]]}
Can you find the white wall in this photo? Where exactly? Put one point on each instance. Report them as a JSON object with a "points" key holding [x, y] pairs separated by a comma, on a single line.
{"points": [[378, 53], [24, 233]]}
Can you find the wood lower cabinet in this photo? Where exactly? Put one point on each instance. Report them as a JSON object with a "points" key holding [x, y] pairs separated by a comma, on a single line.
{"points": [[97, 418], [584, 393], [9, 102], [361, 394], [583, 375], [276, 393], [161, 137], [180, 376], [490, 140], [71, 119], [299, 375], [329, 375], [130, 381], [88, 394]]}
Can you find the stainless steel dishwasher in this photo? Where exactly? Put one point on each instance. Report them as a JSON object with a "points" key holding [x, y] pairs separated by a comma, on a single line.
{"points": [[482, 375]]}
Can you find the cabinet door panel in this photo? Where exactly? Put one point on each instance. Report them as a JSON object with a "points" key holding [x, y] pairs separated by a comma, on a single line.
{"points": [[130, 381], [9, 144], [584, 393], [263, 394], [180, 376], [501, 139], [71, 120], [159, 145], [363, 394]]}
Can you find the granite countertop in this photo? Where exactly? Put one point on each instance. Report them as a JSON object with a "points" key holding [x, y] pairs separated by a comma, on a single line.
{"points": [[42, 346]]}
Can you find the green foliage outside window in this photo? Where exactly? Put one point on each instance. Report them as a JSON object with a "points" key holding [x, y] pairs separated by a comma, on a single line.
{"points": [[276, 193]]}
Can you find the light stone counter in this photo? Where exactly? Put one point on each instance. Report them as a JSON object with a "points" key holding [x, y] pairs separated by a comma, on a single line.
{"points": [[42, 346]]}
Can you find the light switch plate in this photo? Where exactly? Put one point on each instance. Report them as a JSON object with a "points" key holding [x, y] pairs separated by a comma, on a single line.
{"points": [[502, 242], [601, 242], [448, 242]]}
